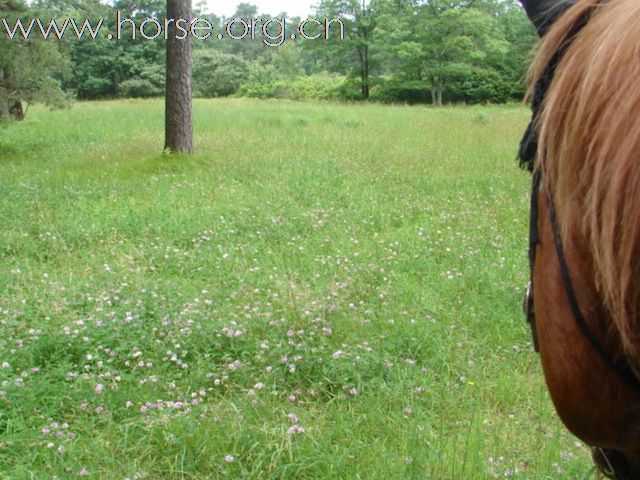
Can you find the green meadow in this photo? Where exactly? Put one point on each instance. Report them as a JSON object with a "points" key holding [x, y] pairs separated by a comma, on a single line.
{"points": [[324, 291]]}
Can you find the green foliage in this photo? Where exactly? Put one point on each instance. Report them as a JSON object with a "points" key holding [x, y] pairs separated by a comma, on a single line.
{"points": [[314, 87], [105, 68], [322, 86], [397, 90], [483, 86], [461, 53], [148, 83], [353, 55], [217, 74], [31, 71], [261, 82], [394, 51]]}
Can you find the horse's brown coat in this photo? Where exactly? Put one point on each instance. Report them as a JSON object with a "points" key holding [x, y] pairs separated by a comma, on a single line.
{"points": [[589, 159], [589, 152]]}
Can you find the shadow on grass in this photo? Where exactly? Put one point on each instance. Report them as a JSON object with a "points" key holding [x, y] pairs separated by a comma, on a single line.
{"points": [[170, 163], [7, 151]]}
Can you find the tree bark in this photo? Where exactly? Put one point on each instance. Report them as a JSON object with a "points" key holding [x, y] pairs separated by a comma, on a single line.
{"points": [[436, 92], [16, 110], [178, 115], [4, 101], [365, 83], [363, 55]]}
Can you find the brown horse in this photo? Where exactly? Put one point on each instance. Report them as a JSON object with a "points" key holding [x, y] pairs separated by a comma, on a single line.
{"points": [[586, 225]]}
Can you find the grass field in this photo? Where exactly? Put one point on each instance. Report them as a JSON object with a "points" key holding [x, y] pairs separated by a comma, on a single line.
{"points": [[323, 291]]}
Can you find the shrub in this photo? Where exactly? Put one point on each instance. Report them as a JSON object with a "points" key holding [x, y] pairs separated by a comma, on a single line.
{"points": [[481, 86], [149, 83], [94, 87], [314, 87], [401, 91], [217, 74]]}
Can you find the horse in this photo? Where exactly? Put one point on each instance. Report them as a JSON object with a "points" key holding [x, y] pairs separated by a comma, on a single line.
{"points": [[583, 148]]}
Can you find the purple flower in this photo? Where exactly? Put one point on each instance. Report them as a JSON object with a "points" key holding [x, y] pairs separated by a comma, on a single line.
{"points": [[295, 429]]}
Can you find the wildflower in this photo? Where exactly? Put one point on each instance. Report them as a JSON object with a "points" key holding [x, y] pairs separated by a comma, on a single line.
{"points": [[234, 366], [229, 459], [295, 429], [99, 389]]}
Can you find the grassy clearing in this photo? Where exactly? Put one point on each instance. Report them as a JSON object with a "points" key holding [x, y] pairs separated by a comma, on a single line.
{"points": [[323, 291]]}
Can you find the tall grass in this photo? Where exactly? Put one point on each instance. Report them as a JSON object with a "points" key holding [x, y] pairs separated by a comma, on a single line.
{"points": [[322, 291]]}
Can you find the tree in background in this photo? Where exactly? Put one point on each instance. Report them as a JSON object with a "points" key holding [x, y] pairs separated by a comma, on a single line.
{"points": [[461, 51], [125, 68], [353, 55], [30, 70], [217, 74], [415, 51], [178, 115]]}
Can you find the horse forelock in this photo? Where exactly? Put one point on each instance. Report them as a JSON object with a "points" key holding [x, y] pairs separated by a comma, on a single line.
{"points": [[589, 149]]}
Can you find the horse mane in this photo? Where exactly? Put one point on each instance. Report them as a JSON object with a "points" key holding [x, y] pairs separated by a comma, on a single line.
{"points": [[589, 149]]}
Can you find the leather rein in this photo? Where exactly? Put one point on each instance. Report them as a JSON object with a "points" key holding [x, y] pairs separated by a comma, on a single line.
{"points": [[620, 366]]}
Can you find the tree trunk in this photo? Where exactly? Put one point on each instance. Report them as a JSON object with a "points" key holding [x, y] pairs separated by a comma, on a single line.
{"points": [[365, 79], [363, 56], [16, 110], [4, 101], [178, 116], [436, 92]]}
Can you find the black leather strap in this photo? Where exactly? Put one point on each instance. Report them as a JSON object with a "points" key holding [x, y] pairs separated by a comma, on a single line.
{"points": [[621, 367], [533, 243]]}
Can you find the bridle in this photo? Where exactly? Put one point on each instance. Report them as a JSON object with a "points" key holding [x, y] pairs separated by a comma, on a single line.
{"points": [[620, 366], [612, 463]]}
